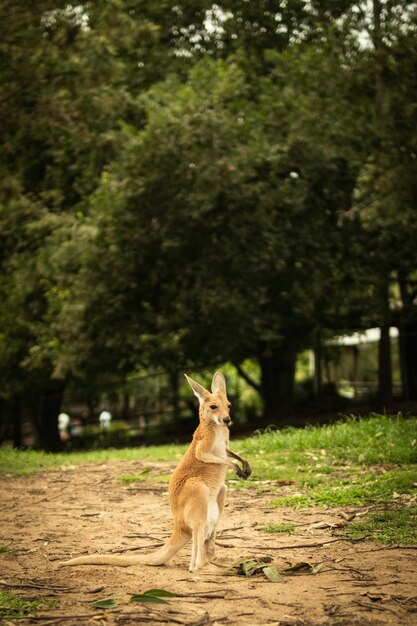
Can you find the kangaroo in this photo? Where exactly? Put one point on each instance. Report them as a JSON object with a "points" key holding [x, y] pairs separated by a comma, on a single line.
{"points": [[197, 490]]}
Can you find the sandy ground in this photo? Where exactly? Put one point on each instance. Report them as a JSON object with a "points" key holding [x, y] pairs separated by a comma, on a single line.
{"points": [[53, 515]]}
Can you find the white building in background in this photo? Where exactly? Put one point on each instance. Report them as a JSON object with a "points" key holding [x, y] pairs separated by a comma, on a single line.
{"points": [[350, 362], [372, 335]]}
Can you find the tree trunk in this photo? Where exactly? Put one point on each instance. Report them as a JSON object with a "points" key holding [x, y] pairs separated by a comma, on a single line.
{"points": [[318, 358], [48, 438], [384, 367], [318, 376], [17, 423], [408, 349], [384, 349], [277, 383], [408, 339]]}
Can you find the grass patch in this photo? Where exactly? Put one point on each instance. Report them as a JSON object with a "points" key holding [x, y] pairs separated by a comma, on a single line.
{"points": [[141, 477], [287, 454], [389, 526], [30, 461], [366, 441], [353, 462], [344, 450], [278, 528], [359, 489], [15, 606]]}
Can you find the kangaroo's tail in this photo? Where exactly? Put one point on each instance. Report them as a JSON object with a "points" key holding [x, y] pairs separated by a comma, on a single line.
{"points": [[177, 540]]}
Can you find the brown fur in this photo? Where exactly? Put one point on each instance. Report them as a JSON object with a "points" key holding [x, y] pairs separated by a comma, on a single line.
{"points": [[197, 490]]}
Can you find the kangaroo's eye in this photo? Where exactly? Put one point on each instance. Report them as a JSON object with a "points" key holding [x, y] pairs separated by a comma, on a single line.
{"points": [[213, 407]]}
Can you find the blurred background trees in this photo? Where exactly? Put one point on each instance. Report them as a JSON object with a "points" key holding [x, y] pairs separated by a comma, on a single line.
{"points": [[188, 185]]}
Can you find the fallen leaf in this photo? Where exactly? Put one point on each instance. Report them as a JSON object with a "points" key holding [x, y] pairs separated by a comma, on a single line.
{"points": [[105, 603], [273, 575], [249, 567], [144, 598], [159, 593], [316, 568], [152, 595]]}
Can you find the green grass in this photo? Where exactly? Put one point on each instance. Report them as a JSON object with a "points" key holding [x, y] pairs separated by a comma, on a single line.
{"points": [[15, 606], [279, 528], [367, 441], [31, 461], [359, 489], [275, 454], [140, 477], [389, 526], [353, 462]]}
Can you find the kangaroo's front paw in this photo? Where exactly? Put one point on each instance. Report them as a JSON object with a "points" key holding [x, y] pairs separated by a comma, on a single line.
{"points": [[239, 471], [246, 470], [243, 472]]}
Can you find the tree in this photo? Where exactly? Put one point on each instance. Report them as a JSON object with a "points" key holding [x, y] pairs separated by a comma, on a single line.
{"points": [[200, 183], [67, 76], [386, 188], [225, 214]]}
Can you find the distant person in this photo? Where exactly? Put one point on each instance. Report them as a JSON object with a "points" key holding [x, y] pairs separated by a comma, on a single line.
{"points": [[105, 419], [63, 426]]}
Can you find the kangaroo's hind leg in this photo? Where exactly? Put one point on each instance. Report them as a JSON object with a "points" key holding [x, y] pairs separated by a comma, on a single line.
{"points": [[196, 516], [210, 544], [198, 552]]}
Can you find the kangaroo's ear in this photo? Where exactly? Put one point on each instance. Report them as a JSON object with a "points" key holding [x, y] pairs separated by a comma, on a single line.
{"points": [[218, 384], [198, 390]]}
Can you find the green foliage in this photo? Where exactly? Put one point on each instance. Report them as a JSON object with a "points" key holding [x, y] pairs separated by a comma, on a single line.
{"points": [[188, 185], [94, 437], [30, 461], [397, 525], [16, 606], [25, 461], [367, 441], [356, 462], [155, 596], [275, 454], [252, 567], [105, 603], [136, 478], [357, 489], [278, 528]]}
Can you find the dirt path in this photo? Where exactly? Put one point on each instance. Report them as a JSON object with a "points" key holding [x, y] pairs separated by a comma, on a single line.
{"points": [[52, 515]]}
